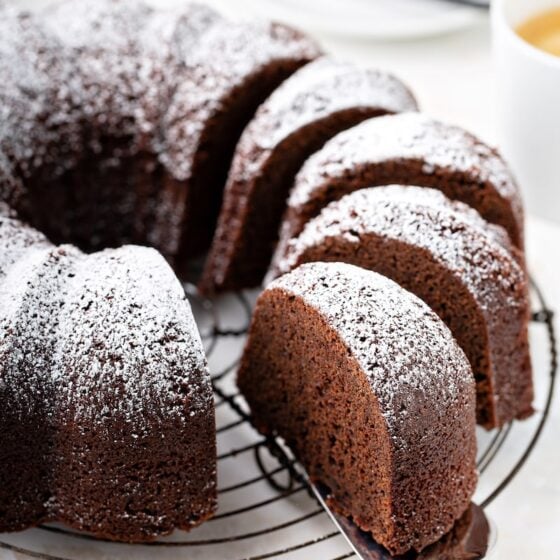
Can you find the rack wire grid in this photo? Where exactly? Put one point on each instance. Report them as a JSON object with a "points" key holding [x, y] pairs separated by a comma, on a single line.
{"points": [[266, 508]]}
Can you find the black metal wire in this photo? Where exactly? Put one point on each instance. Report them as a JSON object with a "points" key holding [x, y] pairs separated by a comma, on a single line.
{"points": [[546, 316], [260, 504], [221, 401], [491, 446], [230, 426], [267, 475], [493, 451], [29, 553], [286, 465], [240, 450], [295, 547]]}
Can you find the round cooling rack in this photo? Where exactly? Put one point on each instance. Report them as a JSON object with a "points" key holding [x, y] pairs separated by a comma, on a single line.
{"points": [[266, 509]]}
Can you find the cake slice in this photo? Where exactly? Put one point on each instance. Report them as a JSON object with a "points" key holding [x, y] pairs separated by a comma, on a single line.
{"points": [[318, 101], [448, 256], [232, 69], [135, 442], [370, 390], [107, 415], [407, 149]]}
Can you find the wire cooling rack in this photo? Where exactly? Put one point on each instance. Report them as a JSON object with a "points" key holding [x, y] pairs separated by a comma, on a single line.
{"points": [[266, 509]]}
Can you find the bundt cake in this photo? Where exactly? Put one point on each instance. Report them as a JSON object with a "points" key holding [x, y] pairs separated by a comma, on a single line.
{"points": [[318, 101], [107, 417], [370, 390], [119, 125], [447, 255], [407, 149]]}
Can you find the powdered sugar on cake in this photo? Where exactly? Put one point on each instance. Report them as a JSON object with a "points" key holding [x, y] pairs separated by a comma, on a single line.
{"points": [[127, 331], [89, 330], [450, 232], [321, 88], [245, 51], [410, 136], [401, 345]]}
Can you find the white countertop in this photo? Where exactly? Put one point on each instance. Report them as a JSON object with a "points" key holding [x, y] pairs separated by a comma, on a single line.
{"points": [[452, 77]]}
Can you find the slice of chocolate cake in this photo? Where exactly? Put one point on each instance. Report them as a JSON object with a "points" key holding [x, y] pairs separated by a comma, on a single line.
{"points": [[370, 390], [232, 69], [318, 101], [447, 255], [407, 149]]}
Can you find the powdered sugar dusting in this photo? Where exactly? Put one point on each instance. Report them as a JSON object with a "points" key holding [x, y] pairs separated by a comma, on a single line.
{"points": [[409, 136], [372, 213], [321, 88], [179, 27], [110, 327], [97, 24], [31, 295], [455, 236], [245, 51], [120, 80], [127, 331], [15, 240], [405, 351], [28, 96]]}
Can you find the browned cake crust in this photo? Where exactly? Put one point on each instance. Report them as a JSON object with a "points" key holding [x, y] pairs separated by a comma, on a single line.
{"points": [[320, 100], [107, 416], [354, 373], [407, 149], [443, 252]]}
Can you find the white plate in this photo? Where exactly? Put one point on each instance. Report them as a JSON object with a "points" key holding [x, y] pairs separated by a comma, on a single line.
{"points": [[374, 19]]}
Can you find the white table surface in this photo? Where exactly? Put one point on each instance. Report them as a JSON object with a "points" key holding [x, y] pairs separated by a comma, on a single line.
{"points": [[452, 77]]}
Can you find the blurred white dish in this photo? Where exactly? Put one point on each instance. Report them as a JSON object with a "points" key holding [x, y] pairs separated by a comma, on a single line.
{"points": [[374, 19], [365, 19]]}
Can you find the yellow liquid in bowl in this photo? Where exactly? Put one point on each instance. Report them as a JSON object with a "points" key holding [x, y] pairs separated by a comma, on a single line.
{"points": [[543, 31]]}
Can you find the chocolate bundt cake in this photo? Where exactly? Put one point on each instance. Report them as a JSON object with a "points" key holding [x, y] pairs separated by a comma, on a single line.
{"points": [[318, 101], [447, 255], [370, 390], [107, 418], [407, 149], [119, 125]]}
